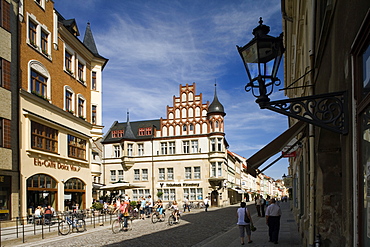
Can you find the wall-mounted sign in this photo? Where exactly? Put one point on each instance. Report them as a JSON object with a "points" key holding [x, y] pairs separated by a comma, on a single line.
{"points": [[56, 165], [181, 185]]}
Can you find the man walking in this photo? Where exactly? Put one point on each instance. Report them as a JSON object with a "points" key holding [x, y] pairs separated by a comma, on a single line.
{"points": [[258, 205], [186, 204], [273, 214], [206, 203]]}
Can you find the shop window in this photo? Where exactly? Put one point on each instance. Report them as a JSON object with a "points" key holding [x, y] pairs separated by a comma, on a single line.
{"points": [[74, 194], [5, 197]]}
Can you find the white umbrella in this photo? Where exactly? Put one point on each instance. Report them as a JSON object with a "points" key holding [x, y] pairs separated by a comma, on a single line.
{"points": [[120, 186]]}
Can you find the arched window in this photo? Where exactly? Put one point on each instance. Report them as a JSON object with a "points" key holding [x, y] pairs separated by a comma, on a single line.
{"points": [[74, 193], [42, 190], [39, 80]]}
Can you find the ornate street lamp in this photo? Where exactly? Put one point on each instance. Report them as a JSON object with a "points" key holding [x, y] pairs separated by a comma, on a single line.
{"points": [[261, 58]]}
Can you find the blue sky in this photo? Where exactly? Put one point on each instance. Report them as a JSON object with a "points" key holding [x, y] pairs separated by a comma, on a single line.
{"points": [[155, 45]]}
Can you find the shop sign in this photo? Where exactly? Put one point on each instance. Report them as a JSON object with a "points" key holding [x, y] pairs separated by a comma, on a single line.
{"points": [[56, 165], [182, 185]]}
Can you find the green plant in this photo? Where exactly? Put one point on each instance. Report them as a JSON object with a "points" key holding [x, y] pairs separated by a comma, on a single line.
{"points": [[133, 203], [97, 206], [159, 194], [40, 96]]}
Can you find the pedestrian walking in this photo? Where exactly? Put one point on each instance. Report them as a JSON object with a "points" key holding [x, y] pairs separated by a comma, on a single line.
{"points": [[186, 204], [149, 204], [206, 203], [142, 208], [273, 214], [263, 204], [244, 222], [258, 205]]}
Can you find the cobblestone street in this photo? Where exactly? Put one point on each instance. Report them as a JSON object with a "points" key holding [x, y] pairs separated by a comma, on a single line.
{"points": [[195, 227]]}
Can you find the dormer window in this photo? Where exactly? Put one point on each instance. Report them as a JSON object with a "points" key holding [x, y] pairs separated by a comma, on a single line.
{"points": [[117, 133]]}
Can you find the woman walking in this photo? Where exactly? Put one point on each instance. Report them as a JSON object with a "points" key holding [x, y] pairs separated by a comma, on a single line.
{"points": [[244, 222]]}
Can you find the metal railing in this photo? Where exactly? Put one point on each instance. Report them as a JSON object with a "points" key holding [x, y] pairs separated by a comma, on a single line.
{"points": [[25, 227]]}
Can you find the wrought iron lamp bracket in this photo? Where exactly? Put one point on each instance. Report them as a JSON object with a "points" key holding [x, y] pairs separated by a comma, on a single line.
{"points": [[328, 111]]}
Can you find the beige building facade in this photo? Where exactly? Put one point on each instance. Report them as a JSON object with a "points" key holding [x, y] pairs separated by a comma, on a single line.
{"points": [[60, 109], [182, 155]]}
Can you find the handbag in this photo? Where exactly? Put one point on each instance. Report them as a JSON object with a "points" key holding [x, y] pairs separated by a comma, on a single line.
{"points": [[246, 218]]}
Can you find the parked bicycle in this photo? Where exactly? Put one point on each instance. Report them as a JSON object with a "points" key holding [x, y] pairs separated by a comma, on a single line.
{"points": [[118, 224], [156, 216], [74, 221], [174, 218]]}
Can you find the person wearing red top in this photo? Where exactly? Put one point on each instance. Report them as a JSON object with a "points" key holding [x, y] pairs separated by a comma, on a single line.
{"points": [[124, 209]]}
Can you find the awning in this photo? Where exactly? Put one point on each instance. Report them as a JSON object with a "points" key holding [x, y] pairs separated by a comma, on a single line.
{"points": [[240, 191], [121, 186], [273, 147], [97, 185]]}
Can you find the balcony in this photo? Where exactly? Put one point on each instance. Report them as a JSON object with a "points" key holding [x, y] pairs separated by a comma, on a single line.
{"points": [[127, 162]]}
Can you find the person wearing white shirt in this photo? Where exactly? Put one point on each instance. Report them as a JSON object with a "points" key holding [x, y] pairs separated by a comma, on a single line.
{"points": [[273, 214], [206, 203]]}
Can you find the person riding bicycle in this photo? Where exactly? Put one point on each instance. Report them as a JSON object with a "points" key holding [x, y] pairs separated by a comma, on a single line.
{"points": [[159, 207], [124, 209], [175, 211]]}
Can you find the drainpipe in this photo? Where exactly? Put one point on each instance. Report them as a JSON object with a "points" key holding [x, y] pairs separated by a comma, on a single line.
{"points": [[311, 229]]}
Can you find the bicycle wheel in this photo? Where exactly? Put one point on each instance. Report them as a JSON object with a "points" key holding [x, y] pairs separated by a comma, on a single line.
{"points": [[64, 228], [116, 226], [80, 225], [155, 218], [171, 220], [178, 218], [163, 216]]}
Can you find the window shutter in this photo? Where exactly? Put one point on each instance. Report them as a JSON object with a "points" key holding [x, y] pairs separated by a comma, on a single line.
{"points": [[6, 131], [5, 22], [6, 74]]}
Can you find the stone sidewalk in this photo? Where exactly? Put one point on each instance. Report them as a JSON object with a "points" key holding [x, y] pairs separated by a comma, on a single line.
{"points": [[288, 235]]}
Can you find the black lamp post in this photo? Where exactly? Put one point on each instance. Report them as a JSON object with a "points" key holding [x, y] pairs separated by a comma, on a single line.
{"points": [[261, 58]]}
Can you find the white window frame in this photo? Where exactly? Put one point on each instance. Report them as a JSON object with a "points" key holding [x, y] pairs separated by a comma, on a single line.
{"points": [[197, 173], [144, 174], [73, 65], [213, 170], [130, 148], [116, 151], [120, 175], [185, 147], [77, 113], [171, 148], [161, 173], [39, 28], [164, 148], [140, 149], [194, 146], [136, 174], [170, 174], [188, 173], [113, 177]]}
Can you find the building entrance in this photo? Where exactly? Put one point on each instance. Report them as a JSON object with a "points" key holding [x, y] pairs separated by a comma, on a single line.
{"points": [[41, 191]]}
